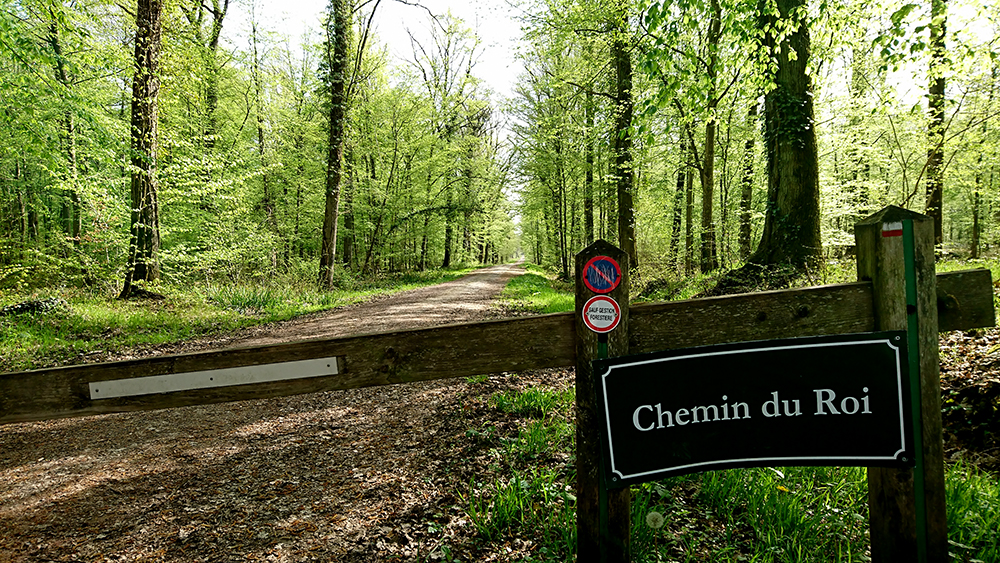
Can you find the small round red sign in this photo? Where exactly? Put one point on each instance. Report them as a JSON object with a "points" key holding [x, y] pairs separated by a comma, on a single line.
{"points": [[601, 314]]}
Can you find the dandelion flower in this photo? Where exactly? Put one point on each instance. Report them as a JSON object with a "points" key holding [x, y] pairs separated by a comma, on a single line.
{"points": [[655, 520]]}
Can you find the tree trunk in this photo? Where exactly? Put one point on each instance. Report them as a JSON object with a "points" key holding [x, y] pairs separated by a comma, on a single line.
{"points": [[709, 253], [746, 185], [791, 235], [563, 226], [425, 233], [588, 182], [337, 45], [678, 210], [73, 208], [622, 61], [212, 73], [449, 229], [144, 241], [349, 223], [935, 109], [977, 193], [689, 216], [267, 198]]}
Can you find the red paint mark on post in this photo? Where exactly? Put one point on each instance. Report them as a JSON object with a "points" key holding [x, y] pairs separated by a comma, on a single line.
{"points": [[893, 229]]}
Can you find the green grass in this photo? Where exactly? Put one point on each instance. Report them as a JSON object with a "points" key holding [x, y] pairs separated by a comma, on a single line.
{"points": [[537, 291], [96, 323], [536, 498], [534, 402], [795, 514], [762, 515], [973, 504]]}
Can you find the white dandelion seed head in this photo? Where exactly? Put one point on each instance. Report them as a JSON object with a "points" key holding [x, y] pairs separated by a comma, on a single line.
{"points": [[655, 520]]}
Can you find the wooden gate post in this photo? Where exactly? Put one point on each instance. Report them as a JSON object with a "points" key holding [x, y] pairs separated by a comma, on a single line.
{"points": [[592, 500], [895, 249]]}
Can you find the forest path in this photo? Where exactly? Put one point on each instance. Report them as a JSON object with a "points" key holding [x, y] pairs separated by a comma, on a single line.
{"points": [[466, 299], [367, 475]]}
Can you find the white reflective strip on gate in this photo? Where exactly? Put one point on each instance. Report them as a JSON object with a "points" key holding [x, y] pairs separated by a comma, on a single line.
{"points": [[213, 378]]}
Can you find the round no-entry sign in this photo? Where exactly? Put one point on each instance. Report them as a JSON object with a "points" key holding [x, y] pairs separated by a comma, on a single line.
{"points": [[602, 274], [601, 314]]}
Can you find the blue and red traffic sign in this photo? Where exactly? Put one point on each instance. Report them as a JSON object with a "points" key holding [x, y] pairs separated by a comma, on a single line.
{"points": [[602, 274]]}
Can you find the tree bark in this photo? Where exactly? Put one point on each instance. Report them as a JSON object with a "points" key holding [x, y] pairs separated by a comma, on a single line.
{"points": [[624, 175], [267, 198], [709, 254], [689, 216], [73, 208], [977, 193], [588, 183], [144, 241], [338, 30], [746, 185], [349, 222], [678, 210], [212, 73], [936, 126], [449, 228], [791, 234]]}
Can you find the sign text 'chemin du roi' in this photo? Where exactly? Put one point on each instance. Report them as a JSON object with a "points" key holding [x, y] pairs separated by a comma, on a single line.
{"points": [[840, 400]]}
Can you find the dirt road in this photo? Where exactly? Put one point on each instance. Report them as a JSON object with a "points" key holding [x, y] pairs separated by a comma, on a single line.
{"points": [[466, 299], [356, 476]]}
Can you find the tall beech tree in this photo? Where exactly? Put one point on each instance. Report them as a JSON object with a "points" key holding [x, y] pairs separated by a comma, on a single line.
{"points": [[144, 243], [936, 122], [207, 38], [746, 185], [621, 61], [445, 66], [594, 44], [791, 234], [338, 30], [694, 66], [72, 208]]}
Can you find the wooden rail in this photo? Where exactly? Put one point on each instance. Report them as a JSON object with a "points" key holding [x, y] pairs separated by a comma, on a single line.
{"points": [[965, 301]]}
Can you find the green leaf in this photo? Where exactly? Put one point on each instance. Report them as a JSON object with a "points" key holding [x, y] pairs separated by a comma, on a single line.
{"points": [[899, 15]]}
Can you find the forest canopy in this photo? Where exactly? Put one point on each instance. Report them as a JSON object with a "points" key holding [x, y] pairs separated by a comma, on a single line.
{"points": [[144, 144]]}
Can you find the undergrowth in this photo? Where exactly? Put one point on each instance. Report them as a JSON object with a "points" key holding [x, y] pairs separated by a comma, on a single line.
{"points": [[96, 323], [659, 282], [762, 515], [537, 291]]}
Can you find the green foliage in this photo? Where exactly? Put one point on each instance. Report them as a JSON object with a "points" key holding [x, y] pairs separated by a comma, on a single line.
{"points": [[537, 292], [798, 514], [534, 402], [536, 500], [242, 156], [247, 300], [95, 325], [793, 514], [973, 504]]}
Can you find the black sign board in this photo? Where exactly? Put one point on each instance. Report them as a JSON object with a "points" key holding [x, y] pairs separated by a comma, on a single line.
{"points": [[839, 400]]}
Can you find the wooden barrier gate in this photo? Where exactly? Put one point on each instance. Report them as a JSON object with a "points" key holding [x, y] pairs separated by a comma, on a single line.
{"points": [[951, 301]]}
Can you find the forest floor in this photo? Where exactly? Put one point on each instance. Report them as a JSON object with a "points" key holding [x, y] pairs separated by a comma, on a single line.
{"points": [[359, 476]]}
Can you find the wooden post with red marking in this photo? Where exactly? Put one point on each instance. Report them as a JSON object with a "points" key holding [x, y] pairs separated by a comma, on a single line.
{"points": [[907, 506]]}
